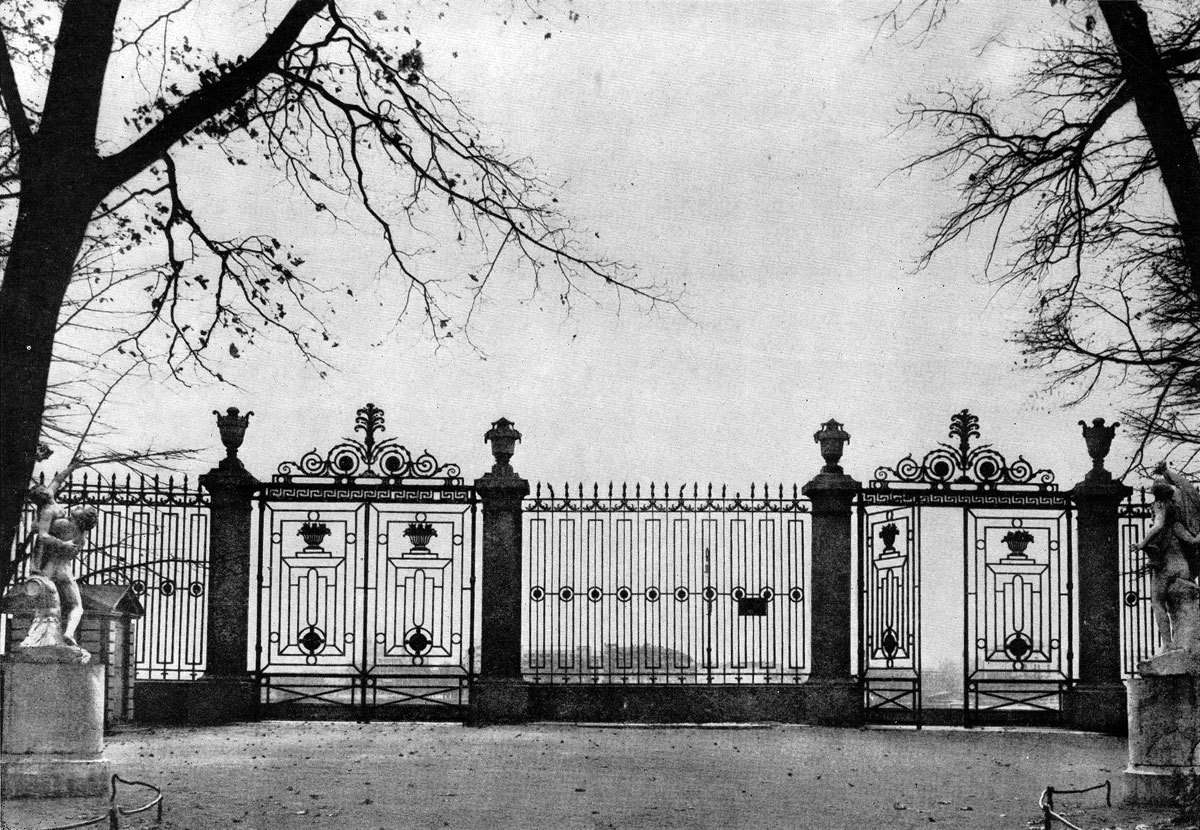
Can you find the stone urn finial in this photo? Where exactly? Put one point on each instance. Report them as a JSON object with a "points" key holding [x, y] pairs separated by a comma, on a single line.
{"points": [[1099, 438], [503, 437], [232, 426], [833, 440]]}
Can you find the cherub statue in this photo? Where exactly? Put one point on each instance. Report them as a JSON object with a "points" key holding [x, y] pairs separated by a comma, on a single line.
{"points": [[1170, 547]]}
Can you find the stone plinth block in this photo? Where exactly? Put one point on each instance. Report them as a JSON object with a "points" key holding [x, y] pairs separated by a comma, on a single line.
{"points": [[1098, 707], [53, 730], [1164, 736], [498, 700]]}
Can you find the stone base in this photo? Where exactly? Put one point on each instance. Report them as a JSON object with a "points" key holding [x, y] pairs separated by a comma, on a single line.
{"points": [[203, 702], [1098, 707], [498, 701], [53, 776], [215, 700], [1152, 787], [834, 702], [1164, 736], [825, 702], [53, 708], [53, 730]]}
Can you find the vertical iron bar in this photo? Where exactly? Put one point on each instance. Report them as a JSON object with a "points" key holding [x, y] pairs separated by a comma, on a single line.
{"points": [[470, 629], [368, 631], [864, 681], [708, 606], [916, 617], [1071, 609], [968, 551], [258, 637]]}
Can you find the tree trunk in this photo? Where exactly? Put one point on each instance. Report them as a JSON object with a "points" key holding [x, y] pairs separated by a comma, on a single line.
{"points": [[51, 224], [61, 184], [1161, 117]]}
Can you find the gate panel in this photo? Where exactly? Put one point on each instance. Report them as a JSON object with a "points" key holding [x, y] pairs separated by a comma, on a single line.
{"points": [[366, 582], [1139, 633], [890, 612], [421, 599], [1018, 637], [312, 593]]}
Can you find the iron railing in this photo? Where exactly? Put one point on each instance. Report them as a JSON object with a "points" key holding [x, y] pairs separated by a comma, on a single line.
{"points": [[115, 812], [151, 534], [1139, 634], [684, 586], [1046, 803]]}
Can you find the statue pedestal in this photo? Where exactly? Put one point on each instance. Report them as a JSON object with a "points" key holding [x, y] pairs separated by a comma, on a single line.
{"points": [[53, 739], [1164, 736]]}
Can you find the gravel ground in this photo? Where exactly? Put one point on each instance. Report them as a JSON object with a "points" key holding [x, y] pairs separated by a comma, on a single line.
{"points": [[319, 776]]}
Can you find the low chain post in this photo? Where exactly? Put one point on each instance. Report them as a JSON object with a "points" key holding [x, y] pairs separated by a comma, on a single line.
{"points": [[499, 694], [227, 692], [1097, 702], [835, 695]]}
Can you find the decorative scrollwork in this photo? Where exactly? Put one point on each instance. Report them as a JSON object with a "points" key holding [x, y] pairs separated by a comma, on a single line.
{"points": [[372, 459], [954, 465]]}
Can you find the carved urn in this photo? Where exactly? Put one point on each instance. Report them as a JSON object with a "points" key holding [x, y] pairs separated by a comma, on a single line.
{"points": [[503, 437], [1099, 438], [833, 440], [232, 426]]}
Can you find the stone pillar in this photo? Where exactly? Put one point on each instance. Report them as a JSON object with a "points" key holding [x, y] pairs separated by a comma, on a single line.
{"points": [[835, 692], [53, 728], [1098, 701], [498, 694], [227, 691]]}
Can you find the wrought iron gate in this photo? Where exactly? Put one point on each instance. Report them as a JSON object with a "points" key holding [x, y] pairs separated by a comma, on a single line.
{"points": [[890, 616], [1017, 585], [366, 575]]}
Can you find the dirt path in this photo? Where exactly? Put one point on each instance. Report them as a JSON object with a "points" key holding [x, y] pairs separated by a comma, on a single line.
{"points": [[313, 776]]}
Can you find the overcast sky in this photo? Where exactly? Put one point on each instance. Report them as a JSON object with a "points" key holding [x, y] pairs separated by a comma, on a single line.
{"points": [[739, 153]]}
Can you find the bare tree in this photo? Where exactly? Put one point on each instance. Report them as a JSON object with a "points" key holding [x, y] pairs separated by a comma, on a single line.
{"points": [[1088, 185], [342, 116]]}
